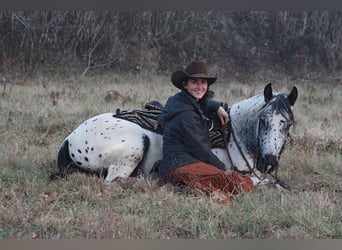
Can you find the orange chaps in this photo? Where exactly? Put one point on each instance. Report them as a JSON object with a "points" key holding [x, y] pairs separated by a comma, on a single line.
{"points": [[210, 179]]}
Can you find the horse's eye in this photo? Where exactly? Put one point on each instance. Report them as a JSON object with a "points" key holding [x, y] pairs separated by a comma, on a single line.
{"points": [[287, 125]]}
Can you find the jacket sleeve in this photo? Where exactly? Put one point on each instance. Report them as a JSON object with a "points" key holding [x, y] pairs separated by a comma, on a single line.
{"points": [[196, 140], [212, 106]]}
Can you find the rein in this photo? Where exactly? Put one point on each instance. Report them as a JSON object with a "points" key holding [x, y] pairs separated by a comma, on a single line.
{"points": [[251, 169]]}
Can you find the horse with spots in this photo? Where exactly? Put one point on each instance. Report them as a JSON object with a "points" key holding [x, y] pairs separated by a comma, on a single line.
{"points": [[259, 128]]}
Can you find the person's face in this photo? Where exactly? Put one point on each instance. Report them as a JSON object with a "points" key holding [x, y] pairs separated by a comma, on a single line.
{"points": [[197, 87]]}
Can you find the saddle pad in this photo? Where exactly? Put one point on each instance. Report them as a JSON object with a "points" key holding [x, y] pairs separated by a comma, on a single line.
{"points": [[148, 120], [145, 119]]}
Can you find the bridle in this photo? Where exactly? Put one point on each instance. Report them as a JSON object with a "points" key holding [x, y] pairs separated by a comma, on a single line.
{"points": [[252, 169]]}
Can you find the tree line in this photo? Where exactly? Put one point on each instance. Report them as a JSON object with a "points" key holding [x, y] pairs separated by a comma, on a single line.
{"points": [[237, 43]]}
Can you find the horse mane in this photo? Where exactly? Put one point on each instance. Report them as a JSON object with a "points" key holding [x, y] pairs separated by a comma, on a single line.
{"points": [[283, 106]]}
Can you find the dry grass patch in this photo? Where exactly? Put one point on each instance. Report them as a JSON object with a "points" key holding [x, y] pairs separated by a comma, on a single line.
{"points": [[36, 117]]}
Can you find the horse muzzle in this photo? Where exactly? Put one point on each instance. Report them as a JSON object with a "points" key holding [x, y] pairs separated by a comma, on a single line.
{"points": [[267, 163]]}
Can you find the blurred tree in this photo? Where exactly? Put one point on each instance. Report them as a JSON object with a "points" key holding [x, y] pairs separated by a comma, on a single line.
{"points": [[234, 43]]}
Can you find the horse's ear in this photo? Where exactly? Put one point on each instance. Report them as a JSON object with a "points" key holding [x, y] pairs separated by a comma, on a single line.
{"points": [[268, 92], [292, 97]]}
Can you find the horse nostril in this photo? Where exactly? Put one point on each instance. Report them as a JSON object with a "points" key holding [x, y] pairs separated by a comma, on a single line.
{"points": [[267, 164]]}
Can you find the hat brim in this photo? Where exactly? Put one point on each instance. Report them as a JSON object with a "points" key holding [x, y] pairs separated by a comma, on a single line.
{"points": [[179, 77]]}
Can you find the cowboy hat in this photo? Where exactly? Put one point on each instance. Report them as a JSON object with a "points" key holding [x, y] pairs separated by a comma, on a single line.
{"points": [[194, 70]]}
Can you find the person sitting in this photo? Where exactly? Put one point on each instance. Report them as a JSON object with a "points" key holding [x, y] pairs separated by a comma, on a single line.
{"points": [[187, 156]]}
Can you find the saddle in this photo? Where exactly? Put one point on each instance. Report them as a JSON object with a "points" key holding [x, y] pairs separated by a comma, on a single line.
{"points": [[147, 118]]}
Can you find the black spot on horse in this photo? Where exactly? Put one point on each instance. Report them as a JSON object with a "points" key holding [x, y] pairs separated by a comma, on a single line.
{"points": [[79, 150], [86, 159], [122, 140], [79, 163], [100, 155]]}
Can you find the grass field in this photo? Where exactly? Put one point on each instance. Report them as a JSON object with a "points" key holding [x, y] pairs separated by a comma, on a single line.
{"points": [[37, 114]]}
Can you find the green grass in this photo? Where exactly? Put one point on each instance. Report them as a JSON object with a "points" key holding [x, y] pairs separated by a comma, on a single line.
{"points": [[36, 117]]}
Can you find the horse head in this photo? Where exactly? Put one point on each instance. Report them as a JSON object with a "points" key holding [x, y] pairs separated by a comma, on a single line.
{"points": [[275, 120]]}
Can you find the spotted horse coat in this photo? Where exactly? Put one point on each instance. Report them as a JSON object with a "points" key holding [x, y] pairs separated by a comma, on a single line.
{"points": [[259, 124]]}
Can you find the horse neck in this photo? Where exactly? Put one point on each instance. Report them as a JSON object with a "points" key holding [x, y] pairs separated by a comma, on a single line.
{"points": [[244, 117]]}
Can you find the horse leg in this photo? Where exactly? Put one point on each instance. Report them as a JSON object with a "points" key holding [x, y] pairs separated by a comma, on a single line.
{"points": [[267, 182], [115, 171]]}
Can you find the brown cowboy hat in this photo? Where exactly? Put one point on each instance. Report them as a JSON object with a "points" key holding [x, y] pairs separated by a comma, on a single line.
{"points": [[194, 70]]}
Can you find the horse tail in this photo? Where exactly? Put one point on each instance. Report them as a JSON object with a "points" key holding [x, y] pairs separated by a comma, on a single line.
{"points": [[146, 146], [64, 163]]}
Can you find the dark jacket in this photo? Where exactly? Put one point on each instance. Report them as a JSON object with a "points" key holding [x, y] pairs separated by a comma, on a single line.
{"points": [[185, 133]]}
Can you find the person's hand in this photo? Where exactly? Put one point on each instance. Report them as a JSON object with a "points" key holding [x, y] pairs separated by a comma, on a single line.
{"points": [[223, 115]]}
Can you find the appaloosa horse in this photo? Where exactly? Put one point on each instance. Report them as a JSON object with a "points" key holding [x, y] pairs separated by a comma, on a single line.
{"points": [[259, 128]]}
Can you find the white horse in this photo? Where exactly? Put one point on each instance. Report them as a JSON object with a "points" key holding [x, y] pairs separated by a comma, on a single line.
{"points": [[259, 130]]}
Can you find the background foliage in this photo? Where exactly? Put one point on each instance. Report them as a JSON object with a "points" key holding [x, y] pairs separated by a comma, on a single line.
{"points": [[238, 44]]}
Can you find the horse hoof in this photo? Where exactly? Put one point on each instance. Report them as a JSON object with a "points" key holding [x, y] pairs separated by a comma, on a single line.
{"points": [[107, 182], [276, 185]]}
